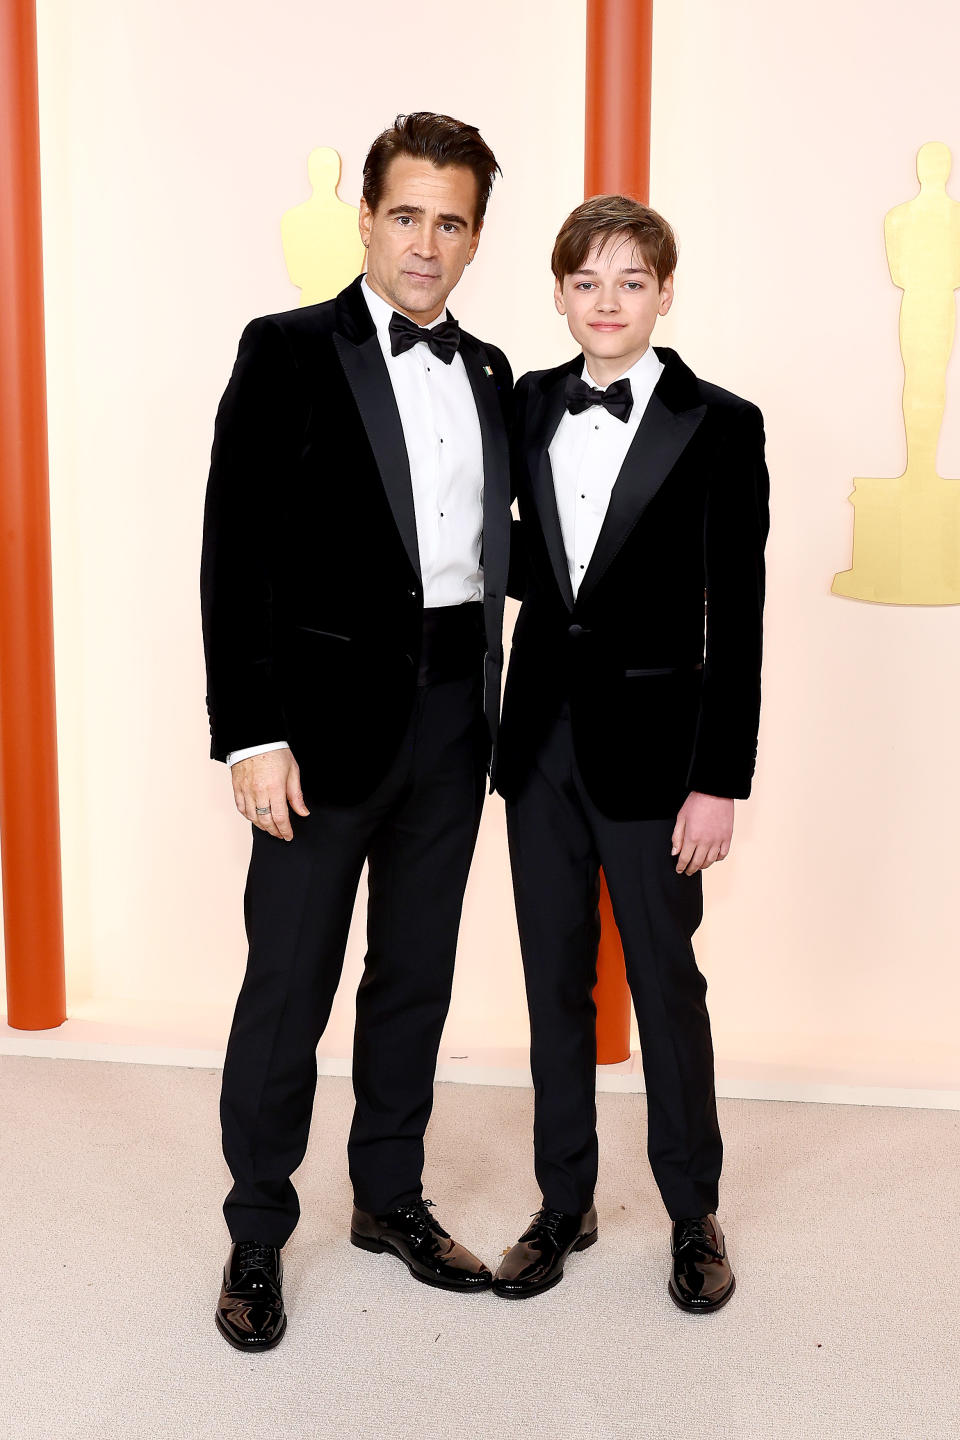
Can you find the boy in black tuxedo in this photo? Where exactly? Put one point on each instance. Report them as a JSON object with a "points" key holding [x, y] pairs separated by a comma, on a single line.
{"points": [[629, 726]]}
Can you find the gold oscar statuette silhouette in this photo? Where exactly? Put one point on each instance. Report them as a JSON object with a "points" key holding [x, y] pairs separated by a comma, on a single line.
{"points": [[906, 538], [321, 237]]}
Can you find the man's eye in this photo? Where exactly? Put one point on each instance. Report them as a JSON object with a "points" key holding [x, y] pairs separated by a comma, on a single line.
{"points": [[404, 219]]}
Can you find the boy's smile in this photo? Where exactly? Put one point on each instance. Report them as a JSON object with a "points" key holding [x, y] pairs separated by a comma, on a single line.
{"points": [[611, 304]]}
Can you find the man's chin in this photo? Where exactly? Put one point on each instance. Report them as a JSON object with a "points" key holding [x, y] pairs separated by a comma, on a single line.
{"points": [[419, 296]]}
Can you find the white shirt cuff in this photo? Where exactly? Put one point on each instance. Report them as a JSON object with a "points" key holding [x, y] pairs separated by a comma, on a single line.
{"points": [[236, 755]]}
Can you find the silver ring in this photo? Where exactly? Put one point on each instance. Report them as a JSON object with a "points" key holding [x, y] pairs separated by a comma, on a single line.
{"points": [[262, 812]]}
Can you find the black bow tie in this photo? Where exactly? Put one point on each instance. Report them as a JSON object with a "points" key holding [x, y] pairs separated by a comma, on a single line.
{"points": [[617, 398], [443, 339]]}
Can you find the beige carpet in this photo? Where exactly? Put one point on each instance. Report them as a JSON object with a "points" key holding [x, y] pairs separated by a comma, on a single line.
{"points": [[842, 1223]]}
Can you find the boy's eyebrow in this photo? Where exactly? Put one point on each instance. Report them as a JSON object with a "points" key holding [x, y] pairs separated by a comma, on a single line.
{"points": [[419, 210], [629, 270]]}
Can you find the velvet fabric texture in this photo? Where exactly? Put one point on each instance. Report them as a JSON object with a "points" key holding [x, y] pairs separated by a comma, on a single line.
{"points": [[311, 594], [660, 654]]}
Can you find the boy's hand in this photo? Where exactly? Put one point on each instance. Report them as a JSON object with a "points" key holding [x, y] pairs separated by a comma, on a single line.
{"points": [[703, 832]]}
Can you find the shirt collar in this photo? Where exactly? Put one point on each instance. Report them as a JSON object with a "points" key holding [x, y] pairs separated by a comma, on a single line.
{"points": [[382, 311], [643, 372]]}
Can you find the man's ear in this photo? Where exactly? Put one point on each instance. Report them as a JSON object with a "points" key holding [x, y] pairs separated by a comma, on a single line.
{"points": [[366, 221], [474, 242], [558, 297]]}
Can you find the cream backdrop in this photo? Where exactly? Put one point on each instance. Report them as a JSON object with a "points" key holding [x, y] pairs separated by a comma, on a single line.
{"points": [[174, 136]]}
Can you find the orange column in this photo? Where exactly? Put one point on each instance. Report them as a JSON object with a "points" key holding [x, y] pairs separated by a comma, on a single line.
{"points": [[617, 160], [29, 806]]}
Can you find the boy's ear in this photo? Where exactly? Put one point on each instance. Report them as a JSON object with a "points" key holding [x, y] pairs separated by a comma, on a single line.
{"points": [[666, 296], [558, 298]]}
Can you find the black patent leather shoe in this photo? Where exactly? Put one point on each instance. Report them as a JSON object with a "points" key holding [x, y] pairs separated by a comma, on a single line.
{"points": [[422, 1244], [250, 1314], [535, 1263], [701, 1279]]}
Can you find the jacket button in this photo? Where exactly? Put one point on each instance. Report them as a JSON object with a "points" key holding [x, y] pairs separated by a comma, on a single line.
{"points": [[575, 630]]}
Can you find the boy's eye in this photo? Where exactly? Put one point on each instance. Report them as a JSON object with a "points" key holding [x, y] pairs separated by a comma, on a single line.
{"points": [[584, 285], [634, 285]]}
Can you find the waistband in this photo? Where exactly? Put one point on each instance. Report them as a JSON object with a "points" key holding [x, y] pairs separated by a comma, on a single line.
{"points": [[452, 642]]}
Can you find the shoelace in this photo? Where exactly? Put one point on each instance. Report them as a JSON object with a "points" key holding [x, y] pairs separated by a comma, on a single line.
{"points": [[418, 1213], [695, 1232], [547, 1220], [251, 1255]]}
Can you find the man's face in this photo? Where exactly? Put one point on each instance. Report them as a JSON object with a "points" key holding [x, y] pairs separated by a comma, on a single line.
{"points": [[612, 303], [421, 235]]}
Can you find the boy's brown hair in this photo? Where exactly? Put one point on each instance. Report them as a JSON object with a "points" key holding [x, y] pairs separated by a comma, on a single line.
{"points": [[603, 216], [437, 138]]}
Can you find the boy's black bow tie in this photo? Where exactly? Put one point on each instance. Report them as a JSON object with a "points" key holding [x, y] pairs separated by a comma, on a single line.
{"points": [[617, 398], [443, 339]]}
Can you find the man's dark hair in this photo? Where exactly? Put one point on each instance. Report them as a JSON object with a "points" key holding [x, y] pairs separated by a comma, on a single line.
{"points": [[437, 138], [603, 216]]}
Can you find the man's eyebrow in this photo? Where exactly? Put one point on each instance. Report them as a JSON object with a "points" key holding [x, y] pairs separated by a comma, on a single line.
{"points": [[419, 210]]}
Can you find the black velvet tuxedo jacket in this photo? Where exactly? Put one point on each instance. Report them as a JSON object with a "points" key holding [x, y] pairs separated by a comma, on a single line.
{"points": [[662, 701], [310, 584]]}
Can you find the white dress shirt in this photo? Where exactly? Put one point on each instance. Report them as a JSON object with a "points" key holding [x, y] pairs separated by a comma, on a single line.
{"points": [[586, 454], [441, 431]]}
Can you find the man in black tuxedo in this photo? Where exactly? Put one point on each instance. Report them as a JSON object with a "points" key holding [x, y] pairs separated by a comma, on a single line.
{"points": [[355, 550], [627, 731]]}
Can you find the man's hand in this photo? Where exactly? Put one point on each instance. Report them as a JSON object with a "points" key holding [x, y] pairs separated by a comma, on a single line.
{"points": [[267, 782], [703, 832]]}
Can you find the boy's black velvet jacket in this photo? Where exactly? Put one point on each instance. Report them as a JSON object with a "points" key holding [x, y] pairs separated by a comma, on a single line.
{"points": [[310, 585], [661, 703]]}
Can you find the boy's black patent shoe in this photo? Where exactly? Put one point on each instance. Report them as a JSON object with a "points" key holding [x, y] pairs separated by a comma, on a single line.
{"points": [[250, 1313], [701, 1278], [422, 1244], [535, 1263]]}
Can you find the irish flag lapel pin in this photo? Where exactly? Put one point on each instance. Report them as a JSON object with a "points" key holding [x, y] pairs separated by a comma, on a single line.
{"points": [[488, 371]]}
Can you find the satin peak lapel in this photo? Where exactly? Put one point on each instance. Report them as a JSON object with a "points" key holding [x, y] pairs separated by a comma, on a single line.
{"points": [[544, 491], [661, 438], [366, 372], [496, 467]]}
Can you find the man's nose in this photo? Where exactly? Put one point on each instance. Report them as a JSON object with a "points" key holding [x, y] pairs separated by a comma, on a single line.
{"points": [[426, 244]]}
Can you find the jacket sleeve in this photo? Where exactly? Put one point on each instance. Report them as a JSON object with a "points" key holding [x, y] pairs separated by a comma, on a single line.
{"points": [[736, 523], [256, 434]]}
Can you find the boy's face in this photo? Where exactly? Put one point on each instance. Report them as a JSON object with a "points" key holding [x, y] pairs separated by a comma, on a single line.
{"points": [[612, 303], [422, 234]]}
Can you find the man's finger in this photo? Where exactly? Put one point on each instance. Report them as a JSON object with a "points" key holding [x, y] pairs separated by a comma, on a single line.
{"points": [[686, 854], [265, 821], [281, 817], [294, 793]]}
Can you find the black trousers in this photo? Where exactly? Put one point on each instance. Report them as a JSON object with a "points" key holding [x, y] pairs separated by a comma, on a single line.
{"points": [[417, 831], [558, 842]]}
